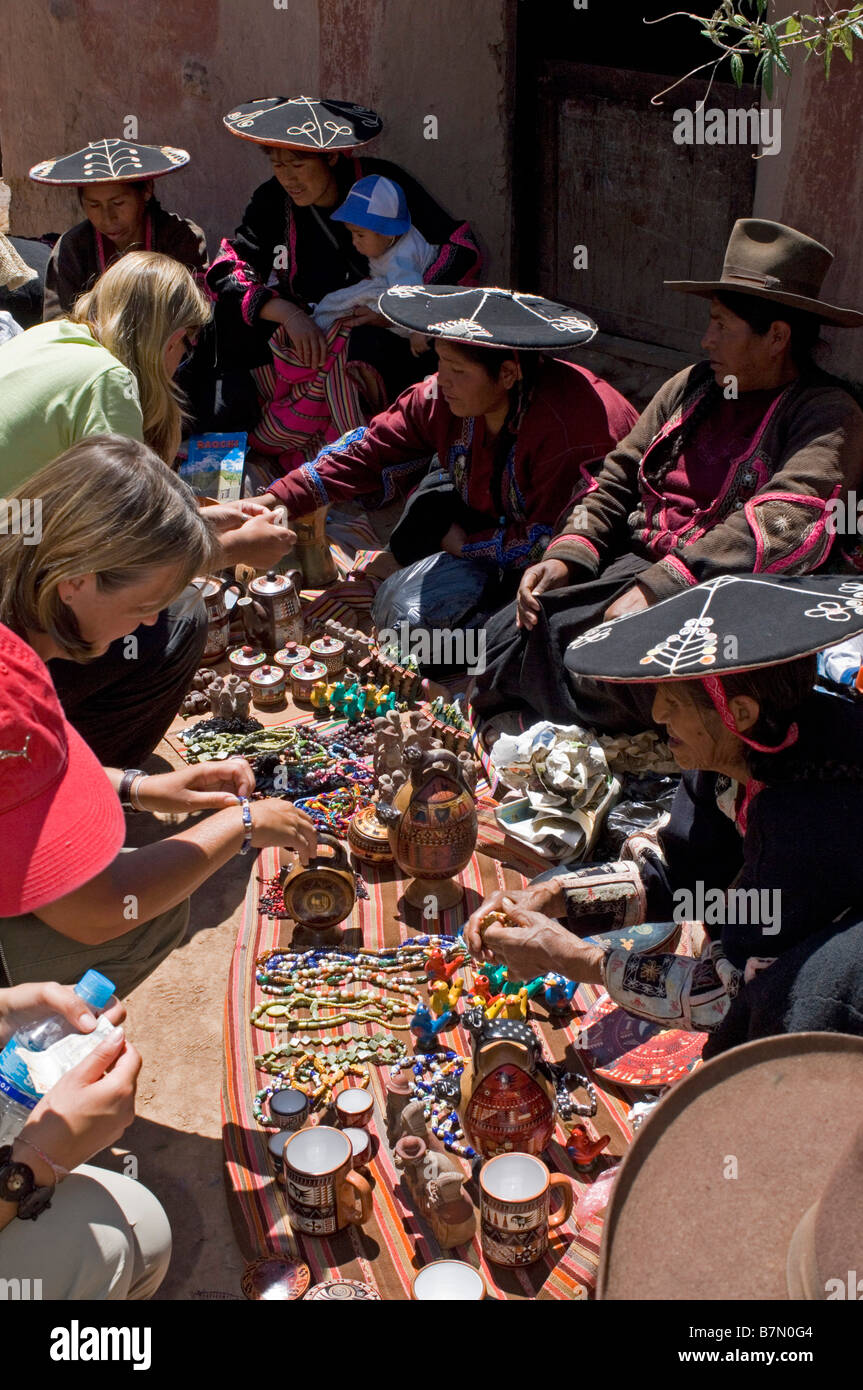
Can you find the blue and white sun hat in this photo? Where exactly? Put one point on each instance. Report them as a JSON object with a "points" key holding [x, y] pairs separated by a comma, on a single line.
{"points": [[376, 203]]}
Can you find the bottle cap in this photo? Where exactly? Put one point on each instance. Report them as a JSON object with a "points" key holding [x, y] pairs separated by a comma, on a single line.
{"points": [[95, 989]]}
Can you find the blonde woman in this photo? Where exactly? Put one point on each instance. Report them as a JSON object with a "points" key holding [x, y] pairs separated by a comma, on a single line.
{"points": [[109, 369], [120, 538]]}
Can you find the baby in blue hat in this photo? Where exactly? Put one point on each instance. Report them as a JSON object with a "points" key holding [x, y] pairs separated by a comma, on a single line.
{"points": [[376, 215]]}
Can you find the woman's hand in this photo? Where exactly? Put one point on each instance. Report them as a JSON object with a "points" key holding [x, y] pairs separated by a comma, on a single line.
{"points": [[633, 601], [202, 787], [420, 343], [454, 540], [25, 1004], [261, 541], [363, 316], [536, 946], [278, 823], [546, 898], [537, 580], [87, 1110]]}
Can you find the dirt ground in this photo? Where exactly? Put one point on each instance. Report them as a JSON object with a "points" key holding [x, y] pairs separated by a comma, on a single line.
{"points": [[175, 1020]]}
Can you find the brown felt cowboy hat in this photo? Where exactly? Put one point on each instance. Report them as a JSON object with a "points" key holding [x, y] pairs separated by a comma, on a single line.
{"points": [[771, 261], [744, 1183]]}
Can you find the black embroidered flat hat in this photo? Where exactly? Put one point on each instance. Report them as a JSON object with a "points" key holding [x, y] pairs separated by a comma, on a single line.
{"points": [[110, 161], [487, 317], [771, 261], [304, 123], [737, 622]]}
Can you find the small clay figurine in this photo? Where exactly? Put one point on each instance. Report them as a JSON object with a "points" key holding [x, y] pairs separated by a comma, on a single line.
{"points": [[388, 744], [444, 996], [557, 994], [469, 772], [425, 1029], [583, 1150], [435, 1182], [437, 968]]}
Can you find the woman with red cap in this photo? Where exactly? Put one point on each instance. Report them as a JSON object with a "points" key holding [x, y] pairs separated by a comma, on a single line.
{"points": [[119, 537]]}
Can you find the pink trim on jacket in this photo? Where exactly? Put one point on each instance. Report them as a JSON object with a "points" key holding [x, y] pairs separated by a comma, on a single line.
{"points": [[678, 565], [807, 500], [581, 541]]}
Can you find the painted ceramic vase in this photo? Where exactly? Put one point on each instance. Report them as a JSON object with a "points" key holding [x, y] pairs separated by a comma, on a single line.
{"points": [[268, 687], [313, 550], [506, 1104], [435, 834]]}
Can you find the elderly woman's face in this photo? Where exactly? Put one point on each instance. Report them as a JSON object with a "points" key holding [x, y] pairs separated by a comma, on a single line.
{"points": [[306, 178], [697, 737]]}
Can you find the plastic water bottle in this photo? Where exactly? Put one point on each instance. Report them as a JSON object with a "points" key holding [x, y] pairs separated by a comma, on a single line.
{"points": [[17, 1093]]}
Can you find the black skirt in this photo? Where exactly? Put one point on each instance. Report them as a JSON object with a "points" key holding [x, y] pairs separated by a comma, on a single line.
{"points": [[525, 673]]}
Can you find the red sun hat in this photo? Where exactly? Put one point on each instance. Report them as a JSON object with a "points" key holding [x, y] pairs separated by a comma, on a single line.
{"points": [[61, 822]]}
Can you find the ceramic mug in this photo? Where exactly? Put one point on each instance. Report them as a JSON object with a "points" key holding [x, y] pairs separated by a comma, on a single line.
{"points": [[323, 1193], [355, 1106], [515, 1200], [361, 1145], [448, 1279]]}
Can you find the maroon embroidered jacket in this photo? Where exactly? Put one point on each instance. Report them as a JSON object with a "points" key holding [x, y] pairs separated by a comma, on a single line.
{"points": [[571, 419], [770, 512]]}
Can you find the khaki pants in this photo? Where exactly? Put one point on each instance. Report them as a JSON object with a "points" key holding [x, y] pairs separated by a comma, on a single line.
{"points": [[103, 1237], [31, 951]]}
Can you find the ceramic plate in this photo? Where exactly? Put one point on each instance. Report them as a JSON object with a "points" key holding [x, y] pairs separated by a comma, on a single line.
{"points": [[275, 1277], [341, 1289]]}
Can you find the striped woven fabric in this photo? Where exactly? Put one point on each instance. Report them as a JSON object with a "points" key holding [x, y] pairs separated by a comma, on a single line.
{"points": [[387, 1252]]}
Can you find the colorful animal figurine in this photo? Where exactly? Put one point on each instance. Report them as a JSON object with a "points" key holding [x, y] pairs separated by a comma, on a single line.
{"points": [[425, 1029], [438, 968], [444, 996], [557, 994], [515, 1005], [583, 1150]]}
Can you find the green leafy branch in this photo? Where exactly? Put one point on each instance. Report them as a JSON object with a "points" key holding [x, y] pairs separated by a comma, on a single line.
{"points": [[742, 29]]}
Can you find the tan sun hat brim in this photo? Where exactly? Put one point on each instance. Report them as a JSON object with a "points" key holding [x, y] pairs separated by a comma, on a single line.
{"points": [[776, 1112]]}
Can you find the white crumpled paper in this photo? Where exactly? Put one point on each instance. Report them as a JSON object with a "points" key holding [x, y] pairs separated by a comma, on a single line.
{"points": [[47, 1067], [563, 773]]}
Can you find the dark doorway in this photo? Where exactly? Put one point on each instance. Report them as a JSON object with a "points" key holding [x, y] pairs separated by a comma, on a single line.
{"points": [[597, 166]]}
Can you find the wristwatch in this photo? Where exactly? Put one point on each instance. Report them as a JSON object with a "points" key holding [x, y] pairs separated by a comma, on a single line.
{"points": [[129, 776], [18, 1185]]}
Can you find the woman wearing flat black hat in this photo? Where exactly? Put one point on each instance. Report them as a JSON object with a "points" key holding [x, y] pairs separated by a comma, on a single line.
{"points": [[763, 842], [114, 179], [730, 469], [495, 445], [288, 253]]}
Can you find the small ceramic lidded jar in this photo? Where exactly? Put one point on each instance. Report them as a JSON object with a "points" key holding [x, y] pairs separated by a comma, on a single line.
{"points": [[290, 654], [244, 660], [304, 674], [268, 687], [331, 651]]}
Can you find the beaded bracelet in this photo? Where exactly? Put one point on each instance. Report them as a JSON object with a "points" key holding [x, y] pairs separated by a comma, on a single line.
{"points": [[247, 825]]}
